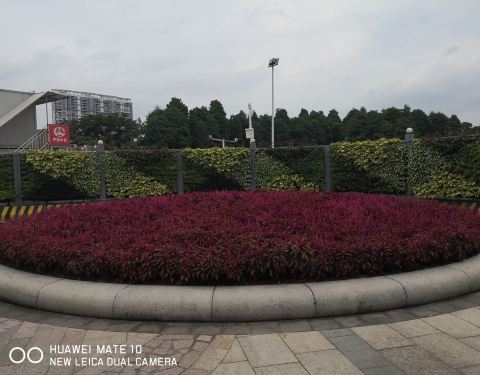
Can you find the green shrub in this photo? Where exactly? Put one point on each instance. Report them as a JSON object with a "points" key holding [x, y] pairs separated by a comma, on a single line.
{"points": [[161, 165], [447, 185], [141, 186]]}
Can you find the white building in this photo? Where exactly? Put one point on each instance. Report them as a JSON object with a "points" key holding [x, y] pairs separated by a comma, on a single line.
{"points": [[79, 104], [18, 117]]}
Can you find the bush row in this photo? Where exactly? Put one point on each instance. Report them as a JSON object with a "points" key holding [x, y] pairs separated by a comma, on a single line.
{"points": [[241, 237], [436, 168]]}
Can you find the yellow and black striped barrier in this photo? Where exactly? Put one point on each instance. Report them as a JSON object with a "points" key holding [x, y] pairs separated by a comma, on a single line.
{"points": [[12, 212], [474, 205]]}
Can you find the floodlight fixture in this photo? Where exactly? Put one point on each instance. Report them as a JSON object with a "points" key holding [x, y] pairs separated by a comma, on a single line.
{"points": [[273, 62]]}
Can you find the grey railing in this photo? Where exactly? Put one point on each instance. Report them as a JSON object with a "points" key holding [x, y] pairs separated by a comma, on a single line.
{"points": [[38, 141]]}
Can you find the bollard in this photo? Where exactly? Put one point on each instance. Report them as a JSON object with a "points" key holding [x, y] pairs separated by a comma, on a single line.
{"points": [[253, 164], [101, 169], [328, 168], [180, 186], [409, 143], [17, 177]]}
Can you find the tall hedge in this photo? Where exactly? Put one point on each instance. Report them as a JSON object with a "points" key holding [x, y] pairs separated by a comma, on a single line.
{"points": [[7, 191], [442, 168]]}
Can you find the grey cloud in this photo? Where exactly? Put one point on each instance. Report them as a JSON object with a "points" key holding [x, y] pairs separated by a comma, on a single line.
{"points": [[333, 54]]}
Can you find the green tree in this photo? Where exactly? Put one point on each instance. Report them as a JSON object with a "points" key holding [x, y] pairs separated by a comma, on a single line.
{"points": [[168, 127], [220, 118], [116, 131], [199, 123]]}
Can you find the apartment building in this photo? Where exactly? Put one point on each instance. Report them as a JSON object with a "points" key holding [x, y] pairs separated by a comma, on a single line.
{"points": [[79, 104]]}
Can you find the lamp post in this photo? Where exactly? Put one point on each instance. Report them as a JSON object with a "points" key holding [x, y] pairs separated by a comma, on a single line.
{"points": [[223, 140], [271, 64]]}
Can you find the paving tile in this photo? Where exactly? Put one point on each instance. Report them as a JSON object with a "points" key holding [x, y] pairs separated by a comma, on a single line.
{"points": [[453, 352], [210, 359], [200, 346], [399, 315], [384, 370], [47, 335], [74, 336], [411, 328], [287, 369], [236, 368], [264, 327], [376, 318], [189, 359], [453, 326], [461, 303], [4, 354], [473, 342], [381, 336], [104, 337], [328, 362], [349, 343], [294, 326], [238, 328], [182, 344], [473, 298], [422, 311], [266, 350], [194, 371], [6, 336], [337, 332], [415, 360], [350, 321], [222, 342], [27, 329], [367, 358], [150, 327], [6, 324], [302, 342], [175, 337], [176, 329], [206, 338], [235, 354], [207, 329], [323, 323], [443, 307], [473, 370], [470, 315]]}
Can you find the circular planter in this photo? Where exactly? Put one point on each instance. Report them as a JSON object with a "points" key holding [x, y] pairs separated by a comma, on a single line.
{"points": [[239, 303]]}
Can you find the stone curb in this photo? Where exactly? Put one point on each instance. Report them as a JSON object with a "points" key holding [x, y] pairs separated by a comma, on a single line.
{"points": [[239, 303]]}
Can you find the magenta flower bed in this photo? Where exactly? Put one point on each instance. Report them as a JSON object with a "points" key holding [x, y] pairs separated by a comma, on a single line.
{"points": [[241, 237]]}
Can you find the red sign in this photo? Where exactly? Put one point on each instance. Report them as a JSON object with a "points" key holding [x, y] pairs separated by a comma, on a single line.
{"points": [[59, 134]]}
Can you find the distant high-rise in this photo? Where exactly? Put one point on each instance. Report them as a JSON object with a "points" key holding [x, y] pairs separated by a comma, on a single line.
{"points": [[79, 104]]}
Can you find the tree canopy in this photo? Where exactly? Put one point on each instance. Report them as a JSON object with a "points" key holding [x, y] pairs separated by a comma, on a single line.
{"points": [[175, 126], [116, 131]]}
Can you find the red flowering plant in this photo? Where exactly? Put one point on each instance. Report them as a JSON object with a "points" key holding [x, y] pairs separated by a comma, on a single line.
{"points": [[241, 237]]}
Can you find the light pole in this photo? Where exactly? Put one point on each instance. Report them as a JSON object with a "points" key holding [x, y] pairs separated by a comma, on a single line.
{"points": [[271, 64], [223, 140]]}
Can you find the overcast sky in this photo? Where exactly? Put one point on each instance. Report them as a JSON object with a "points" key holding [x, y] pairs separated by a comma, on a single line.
{"points": [[333, 53]]}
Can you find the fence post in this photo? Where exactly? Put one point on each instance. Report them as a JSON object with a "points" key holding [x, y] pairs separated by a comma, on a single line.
{"points": [[180, 186], [17, 177], [253, 164], [328, 168], [408, 143], [101, 169]]}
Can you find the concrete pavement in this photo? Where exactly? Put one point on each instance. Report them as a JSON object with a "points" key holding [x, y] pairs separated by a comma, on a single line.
{"points": [[438, 338]]}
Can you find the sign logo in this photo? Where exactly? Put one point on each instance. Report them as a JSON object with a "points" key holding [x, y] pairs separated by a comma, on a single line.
{"points": [[59, 134], [59, 131], [22, 355]]}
